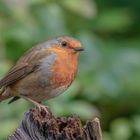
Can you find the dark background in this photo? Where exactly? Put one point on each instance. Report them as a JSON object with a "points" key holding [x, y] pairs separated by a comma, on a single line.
{"points": [[108, 81]]}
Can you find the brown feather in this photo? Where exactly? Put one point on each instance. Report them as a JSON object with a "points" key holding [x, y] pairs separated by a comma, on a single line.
{"points": [[15, 74], [24, 66]]}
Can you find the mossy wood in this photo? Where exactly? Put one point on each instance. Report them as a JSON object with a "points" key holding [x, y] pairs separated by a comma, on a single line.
{"points": [[41, 126]]}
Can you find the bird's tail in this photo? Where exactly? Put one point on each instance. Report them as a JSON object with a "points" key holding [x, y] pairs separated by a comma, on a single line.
{"points": [[4, 94]]}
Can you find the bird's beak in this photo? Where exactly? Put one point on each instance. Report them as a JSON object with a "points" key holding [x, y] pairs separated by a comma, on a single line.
{"points": [[78, 49]]}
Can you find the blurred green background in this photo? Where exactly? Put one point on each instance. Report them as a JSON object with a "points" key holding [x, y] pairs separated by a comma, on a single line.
{"points": [[108, 81]]}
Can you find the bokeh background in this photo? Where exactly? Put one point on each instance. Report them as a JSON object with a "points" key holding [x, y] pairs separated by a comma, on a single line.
{"points": [[108, 81]]}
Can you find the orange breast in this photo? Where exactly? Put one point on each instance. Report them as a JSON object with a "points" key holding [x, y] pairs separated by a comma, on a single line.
{"points": [[64, 70]]}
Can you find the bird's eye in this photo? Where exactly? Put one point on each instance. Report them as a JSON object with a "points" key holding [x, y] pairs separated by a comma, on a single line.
{"points": [[64, 44]]}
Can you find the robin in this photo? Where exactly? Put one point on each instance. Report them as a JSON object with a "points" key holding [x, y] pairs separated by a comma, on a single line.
{"points": [[43, 72]]}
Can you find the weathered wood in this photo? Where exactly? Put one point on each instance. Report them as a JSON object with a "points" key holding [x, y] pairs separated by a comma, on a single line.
{"points": [[41, 126]]}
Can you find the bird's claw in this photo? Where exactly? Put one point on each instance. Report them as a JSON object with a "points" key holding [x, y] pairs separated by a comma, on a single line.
{"points": [[43, 110]]}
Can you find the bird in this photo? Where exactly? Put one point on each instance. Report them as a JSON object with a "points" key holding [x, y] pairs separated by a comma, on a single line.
{"points": [[42, 72]]}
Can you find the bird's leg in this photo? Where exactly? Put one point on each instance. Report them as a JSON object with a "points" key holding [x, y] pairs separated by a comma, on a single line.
{"points": [[38, 105]]}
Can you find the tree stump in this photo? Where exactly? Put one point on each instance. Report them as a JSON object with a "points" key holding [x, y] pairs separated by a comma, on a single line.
{"points": [[44, 126]]}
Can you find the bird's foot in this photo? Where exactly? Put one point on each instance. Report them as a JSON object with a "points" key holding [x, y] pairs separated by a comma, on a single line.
{"points": [[44, 110]]}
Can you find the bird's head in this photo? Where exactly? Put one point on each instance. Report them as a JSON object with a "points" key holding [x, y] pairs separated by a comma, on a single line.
{"points": [[66, 44]]}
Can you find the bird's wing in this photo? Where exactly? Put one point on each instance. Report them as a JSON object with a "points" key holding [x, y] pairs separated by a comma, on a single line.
{"points": [[15, 74], [26, 65]]}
